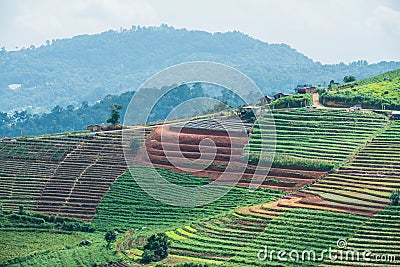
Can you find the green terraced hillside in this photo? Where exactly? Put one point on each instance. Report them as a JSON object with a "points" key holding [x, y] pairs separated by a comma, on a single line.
{"points": [[236, 239], [327, 136], [366, 182], [127, 206], [380, 235]]}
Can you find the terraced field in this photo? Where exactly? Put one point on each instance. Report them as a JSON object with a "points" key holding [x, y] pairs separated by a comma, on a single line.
{"points": [[331, 135], [222, 156], [237, 238], [76, 176], [64, 175], [26, 166], [127, 206], [364, 185], [380, 235]]}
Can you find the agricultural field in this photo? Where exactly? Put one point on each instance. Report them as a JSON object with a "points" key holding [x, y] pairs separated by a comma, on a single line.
{"points": [[126, 206], [381, 236], [374, 92], [63, 175], [29, 162], [237, 238], [366, 182], [29, 240], [339, 168], [317, 139]]}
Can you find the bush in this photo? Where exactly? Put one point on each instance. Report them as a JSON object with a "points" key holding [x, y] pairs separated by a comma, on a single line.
{"points": [[281, 161], [77, 226], [395, 197], [293, 101], [26, 218], [21, 210], [85, 243]]}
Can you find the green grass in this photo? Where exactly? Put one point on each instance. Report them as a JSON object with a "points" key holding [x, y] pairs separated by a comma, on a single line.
{"points": [[39, 243], [17, 244], [71, 254]]}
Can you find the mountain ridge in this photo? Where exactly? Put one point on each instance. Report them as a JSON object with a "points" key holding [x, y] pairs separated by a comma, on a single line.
{"points": [[88, 67]]}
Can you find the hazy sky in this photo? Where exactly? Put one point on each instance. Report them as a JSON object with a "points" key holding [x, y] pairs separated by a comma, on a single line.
{"points": [[328, 31]]}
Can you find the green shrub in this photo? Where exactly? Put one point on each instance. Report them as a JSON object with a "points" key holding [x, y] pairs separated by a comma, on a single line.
{"points": [[282, 161], [293, 101], [395, 197]]}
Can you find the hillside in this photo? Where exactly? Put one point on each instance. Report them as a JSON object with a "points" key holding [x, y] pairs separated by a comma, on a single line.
{"points": [[380, 91], [302, 204], [88, 67]]}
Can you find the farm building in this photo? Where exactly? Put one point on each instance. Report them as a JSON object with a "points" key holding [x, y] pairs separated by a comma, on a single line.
{"points": [[265, 100], [4, 138], [279, 95], [93, 128], [305, 89], [395, 115]]}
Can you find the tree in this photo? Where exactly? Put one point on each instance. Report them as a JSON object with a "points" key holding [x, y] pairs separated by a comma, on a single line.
{"points": [[115, 114], [395, 197], [110, 237], [3, 118], [156, 248], [348, 79], [331, 83]]}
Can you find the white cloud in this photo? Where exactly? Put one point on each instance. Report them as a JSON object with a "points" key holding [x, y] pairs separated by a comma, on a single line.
{"points": [[37, 21], [385, 19]]}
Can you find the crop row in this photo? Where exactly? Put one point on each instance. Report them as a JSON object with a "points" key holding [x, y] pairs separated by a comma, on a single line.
{"points": [[127, 206], [296, 229]]}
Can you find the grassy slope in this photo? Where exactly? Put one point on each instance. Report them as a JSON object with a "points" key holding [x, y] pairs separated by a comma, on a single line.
{"points": [[15, 244], [371, 92]]}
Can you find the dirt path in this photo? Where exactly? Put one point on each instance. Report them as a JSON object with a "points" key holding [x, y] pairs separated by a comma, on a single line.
{"points": [[316, 101]]}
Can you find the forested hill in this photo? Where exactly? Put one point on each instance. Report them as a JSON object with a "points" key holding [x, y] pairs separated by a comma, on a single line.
{"points": [[88, 67]]}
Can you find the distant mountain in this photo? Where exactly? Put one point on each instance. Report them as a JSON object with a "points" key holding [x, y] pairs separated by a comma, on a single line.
{"points": [[88, 67]]}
